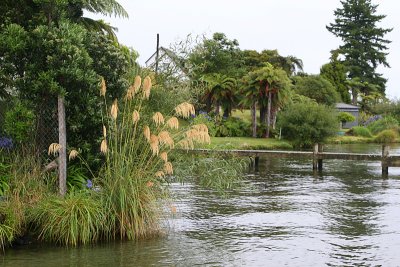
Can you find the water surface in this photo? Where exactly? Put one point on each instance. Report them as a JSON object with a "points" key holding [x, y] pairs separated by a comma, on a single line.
{"points": [[285, 215]]}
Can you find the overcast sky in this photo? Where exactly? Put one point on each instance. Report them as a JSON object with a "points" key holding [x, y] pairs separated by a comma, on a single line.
{"points": [[293, 27]]}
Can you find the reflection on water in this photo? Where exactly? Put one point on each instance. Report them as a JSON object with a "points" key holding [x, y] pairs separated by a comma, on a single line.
{"points": [[286, 215]]}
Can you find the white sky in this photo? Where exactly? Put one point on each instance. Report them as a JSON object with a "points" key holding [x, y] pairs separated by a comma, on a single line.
{"points": [[293, 27]]}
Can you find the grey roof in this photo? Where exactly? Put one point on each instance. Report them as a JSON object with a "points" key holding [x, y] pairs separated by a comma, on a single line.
{"points": [[346, 106]]}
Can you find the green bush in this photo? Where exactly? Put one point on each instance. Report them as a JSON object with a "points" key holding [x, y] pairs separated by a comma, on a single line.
{"points": [[76, 178], [19, 122], [386, 136], [305, 124], [204, 118], [359, 131], [346, 117], [76, 219], [383, 124], [233, 127]]}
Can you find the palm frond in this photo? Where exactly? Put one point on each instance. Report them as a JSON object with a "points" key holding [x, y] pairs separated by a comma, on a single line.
{"points": [[99, 26], [105, 7]]}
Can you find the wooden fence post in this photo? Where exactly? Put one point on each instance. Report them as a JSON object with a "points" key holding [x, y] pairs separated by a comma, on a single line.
{"points": [[320, 150], [315, 157], [385, 163], [62, 154]]}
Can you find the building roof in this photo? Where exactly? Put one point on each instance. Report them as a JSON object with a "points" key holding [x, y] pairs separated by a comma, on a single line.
{"points": [[346, 106]]}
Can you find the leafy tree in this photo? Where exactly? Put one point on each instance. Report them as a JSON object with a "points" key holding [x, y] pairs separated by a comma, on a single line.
{"points": [[268, 87], [215, 55], [335, 73], [221, 92], [316, 87], [253, 60], [344, 117], [306, 123], [363, 45]]}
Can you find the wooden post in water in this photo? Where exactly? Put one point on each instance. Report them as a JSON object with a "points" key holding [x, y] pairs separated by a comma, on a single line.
{"points": [[315, 157], [385, 163], [256, 161], [320, 150]]}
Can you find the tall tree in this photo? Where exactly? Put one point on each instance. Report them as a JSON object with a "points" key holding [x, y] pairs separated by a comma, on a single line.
{"points": [[268, 87], [335, 73], [363, 45]]}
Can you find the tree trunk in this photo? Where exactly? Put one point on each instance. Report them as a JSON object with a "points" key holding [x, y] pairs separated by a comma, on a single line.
{"points": [[268, 113], [227, 112], [262, 115], [208, 103], [217, 109], [354, 94], [62, 140], [254, 118]]}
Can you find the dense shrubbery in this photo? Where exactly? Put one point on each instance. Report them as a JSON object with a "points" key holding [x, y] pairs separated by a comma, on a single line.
{"points": [[306, 124], [359, 131], [383, 124], [386, 136]]}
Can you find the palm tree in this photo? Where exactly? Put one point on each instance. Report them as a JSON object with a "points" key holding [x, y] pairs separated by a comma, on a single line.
{"points": [[220, 92], [269, 87]]}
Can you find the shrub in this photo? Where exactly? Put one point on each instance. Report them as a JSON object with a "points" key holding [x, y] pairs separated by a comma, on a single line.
{"points": [[306, 124], [383, 124], [10, 223], [359, 131], [76, 178], [76, 219], [346, 117], [386, 136], [204, 118], [18, 123], [232, 127]]}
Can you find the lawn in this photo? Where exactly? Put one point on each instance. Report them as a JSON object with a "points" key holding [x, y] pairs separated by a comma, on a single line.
{"points": [[247, 143]]}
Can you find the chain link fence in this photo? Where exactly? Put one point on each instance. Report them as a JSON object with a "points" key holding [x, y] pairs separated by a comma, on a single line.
{"points": [[42, 130]]}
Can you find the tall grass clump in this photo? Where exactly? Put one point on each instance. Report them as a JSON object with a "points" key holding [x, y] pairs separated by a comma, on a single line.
{"points": [[136, 145], [360, 131], [386, 136], [383, 124], [218, 172], [27, 186], [76, 219]]}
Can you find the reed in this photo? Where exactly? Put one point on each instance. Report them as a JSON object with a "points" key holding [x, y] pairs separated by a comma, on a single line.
{"points": [[133, 180], [76, 219]]}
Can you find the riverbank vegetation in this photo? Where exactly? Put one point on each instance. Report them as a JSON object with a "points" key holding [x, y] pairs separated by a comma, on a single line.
{"points": [[123, 122]]}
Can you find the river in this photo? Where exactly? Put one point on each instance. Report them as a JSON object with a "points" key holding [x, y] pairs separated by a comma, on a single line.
{"points": [[284, 215]]}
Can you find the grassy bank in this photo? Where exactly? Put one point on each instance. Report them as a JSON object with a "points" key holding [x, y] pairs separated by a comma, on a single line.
{"points": [[247, 143]]}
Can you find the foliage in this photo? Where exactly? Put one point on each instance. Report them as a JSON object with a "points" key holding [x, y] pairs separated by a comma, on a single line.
{"points": [[209, 121], [221, 91], [76, 219], [136, 145], [383, 124], [9, 223], [364, 46], [316, 87], [215, 55], [76, 177], [232, 127], [307, 124], [335, 73], [387, 136], [19, 123], [360, 131], [387, 108], [254, 60], [269, 88], [345, 117], [218, 172], [248, 143]]}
